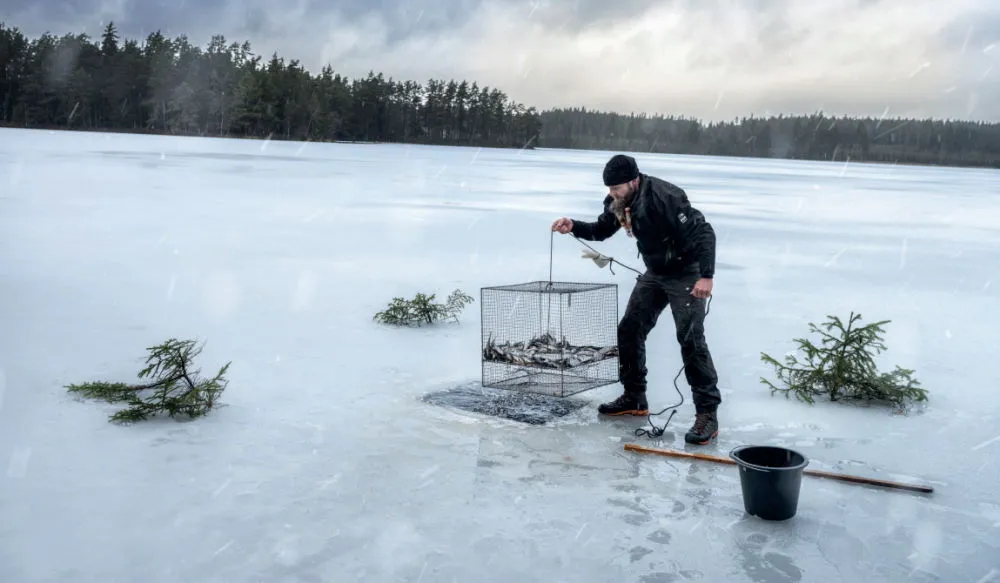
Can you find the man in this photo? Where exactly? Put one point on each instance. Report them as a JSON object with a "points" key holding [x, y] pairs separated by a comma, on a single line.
{"points": [[678, 247]]}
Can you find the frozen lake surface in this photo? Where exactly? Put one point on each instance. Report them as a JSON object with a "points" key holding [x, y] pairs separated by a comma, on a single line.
{"points": [[325, 464]]}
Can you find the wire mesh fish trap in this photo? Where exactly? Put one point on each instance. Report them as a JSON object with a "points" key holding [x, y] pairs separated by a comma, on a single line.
{"points": [[552, 338]]}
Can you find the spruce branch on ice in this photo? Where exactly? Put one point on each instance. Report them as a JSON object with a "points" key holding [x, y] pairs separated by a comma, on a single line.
{"points": [[175, 388], [844, 367], [422, 309]]}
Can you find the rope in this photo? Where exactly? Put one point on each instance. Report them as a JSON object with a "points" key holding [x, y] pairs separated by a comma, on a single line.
{"points": [[548, 314], [611, 260], [654, 431], [552, 241]]}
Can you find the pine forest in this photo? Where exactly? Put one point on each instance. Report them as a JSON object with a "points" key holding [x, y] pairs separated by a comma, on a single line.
{"points": [[171, 86]]}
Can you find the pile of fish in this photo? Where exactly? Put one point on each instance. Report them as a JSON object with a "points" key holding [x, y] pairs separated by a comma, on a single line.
{"points": [[546, 352]]}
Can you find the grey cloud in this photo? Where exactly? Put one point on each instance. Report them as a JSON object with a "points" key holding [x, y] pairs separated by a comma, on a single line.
{"points": [[973, 31], [133, 19], [678, 56], [237, 18], [401, 18]]}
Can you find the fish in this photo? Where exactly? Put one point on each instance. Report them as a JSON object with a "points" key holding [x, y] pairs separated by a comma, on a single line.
{"points": [[545, 351]]}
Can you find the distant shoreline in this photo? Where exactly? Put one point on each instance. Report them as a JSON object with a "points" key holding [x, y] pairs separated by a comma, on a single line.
{"points": [[154, 132], [276, 138]]}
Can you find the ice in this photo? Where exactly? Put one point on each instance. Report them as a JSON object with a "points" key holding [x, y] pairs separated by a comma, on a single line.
{"points": [[18, 465], [987, 442], [326, 463]]}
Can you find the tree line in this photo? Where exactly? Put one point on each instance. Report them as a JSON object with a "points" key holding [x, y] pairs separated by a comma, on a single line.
{"points": [[172, 86], [812, 137], [169, 85]]}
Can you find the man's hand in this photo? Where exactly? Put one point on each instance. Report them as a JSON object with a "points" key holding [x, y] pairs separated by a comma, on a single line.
{"points": [[702, 288], [563, 225]]}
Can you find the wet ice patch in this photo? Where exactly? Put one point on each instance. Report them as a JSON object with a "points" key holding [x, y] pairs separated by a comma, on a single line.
{"points": [[530, 408]]}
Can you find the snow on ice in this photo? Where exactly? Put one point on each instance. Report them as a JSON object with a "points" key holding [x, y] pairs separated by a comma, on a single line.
{"points": [[324, 462]]}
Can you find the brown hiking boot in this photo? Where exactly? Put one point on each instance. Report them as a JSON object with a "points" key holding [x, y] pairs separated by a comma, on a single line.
{"points": [[626, 405], [705, 428]]}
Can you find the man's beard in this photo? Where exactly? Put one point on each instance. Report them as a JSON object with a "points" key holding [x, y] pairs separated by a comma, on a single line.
{"points": [[618, 206]]}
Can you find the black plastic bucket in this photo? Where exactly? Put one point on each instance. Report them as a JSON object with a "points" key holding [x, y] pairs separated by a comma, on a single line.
{"points": [[771, 478]]}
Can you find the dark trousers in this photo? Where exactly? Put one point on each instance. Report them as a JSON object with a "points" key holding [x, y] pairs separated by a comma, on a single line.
{"points": [[651, 295]]}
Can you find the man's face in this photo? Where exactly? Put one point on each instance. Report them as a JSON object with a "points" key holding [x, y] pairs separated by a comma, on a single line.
{"points": [[624, 191]]}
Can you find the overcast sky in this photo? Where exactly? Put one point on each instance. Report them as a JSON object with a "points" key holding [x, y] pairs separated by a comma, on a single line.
{"points": [[712, 59]]}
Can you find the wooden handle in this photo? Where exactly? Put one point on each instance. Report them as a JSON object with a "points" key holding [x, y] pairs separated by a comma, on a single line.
{"points": [[674, 453], [871, 481], [808, 472]]}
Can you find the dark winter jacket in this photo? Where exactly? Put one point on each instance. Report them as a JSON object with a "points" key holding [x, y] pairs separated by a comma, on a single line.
{"points": [[672, 236]]}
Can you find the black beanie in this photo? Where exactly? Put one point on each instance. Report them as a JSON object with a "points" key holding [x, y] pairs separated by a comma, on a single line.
{"points": [[620, 169]]}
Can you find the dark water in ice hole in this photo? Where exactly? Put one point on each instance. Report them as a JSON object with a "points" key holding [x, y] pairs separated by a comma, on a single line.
{"points": [[531, 408]]}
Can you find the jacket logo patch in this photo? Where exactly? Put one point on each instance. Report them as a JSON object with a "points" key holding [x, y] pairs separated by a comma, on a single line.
{"points": [[683, 218]]}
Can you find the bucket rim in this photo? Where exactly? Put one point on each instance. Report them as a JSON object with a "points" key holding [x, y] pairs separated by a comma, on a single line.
{"points": [[797, 467]]}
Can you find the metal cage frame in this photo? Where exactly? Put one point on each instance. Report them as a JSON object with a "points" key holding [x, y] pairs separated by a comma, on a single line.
{"points": [[561, 388]]}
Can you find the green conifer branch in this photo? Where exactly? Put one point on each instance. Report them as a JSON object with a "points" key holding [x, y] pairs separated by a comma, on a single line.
{"points": [[422, 309], [843, 367], [174, 388]]}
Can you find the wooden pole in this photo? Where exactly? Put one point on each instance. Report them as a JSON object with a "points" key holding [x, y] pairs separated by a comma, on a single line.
{"points": [[808, 472]]}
